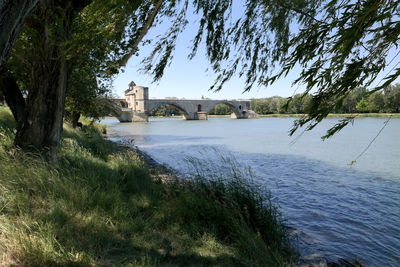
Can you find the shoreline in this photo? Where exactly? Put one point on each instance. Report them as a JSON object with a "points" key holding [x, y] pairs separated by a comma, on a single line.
{"points": [[331, 115], [159, 171]]}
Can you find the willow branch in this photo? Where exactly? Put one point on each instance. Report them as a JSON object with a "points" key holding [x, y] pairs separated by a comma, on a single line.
{"points": [[282, 3], [143, 32]]}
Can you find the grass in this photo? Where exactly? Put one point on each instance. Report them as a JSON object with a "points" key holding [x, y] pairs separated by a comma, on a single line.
{"points": [[101, 206]]}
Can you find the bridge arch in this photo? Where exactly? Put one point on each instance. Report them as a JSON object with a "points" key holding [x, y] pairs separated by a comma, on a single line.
{"points": [[115, 113], [123, 104], [118, 108], [115, 108], [157, 105], [237, 110]]}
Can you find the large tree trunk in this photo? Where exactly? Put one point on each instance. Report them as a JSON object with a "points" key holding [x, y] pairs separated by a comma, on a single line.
{"points": [[41, 128], [12, 15]]}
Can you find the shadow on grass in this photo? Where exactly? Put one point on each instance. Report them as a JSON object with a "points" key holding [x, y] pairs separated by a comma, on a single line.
{"points": [[107, 216], [110, 247]]}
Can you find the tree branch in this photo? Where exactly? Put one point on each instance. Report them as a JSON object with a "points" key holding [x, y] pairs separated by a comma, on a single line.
{"points": [[143, 32], [297, 10], [12, 16]]}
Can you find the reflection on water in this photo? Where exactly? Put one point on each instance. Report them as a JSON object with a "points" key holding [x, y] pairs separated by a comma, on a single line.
{"points": [[339, 211]]}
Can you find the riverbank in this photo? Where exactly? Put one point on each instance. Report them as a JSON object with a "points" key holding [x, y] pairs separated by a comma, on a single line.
{"points": [[105, 204], [395, 115]]}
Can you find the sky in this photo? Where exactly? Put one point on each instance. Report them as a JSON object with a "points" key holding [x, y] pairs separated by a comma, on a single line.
{"points": [[190, 79]]}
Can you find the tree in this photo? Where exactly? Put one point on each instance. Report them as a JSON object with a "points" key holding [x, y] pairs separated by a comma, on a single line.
{"points": [[273, 105], [220, 109], [377, 102], [392, 98], [166, 110], [53, 51], [260, 106], [363, 105], [298, 104], [351, 100]]}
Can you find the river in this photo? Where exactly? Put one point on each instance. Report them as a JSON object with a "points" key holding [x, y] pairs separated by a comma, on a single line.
{"points": [[339, 210]]}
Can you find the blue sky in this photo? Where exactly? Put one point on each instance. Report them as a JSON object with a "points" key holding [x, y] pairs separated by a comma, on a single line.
{"points": [[190, 79]]}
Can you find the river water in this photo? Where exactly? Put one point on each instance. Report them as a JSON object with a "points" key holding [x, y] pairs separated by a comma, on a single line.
{"points": [[339, 210]]}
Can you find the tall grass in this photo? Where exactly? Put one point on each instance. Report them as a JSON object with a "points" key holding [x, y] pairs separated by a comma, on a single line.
{"points": [[101, 206], [234, 208]]}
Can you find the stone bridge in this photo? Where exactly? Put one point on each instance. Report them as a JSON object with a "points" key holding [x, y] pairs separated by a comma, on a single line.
{"points": [[137, 106]]}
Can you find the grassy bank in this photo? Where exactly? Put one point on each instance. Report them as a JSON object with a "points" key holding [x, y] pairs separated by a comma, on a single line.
{"points": [[102, 205]]}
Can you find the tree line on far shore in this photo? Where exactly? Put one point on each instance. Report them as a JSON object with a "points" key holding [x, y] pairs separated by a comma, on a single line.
{"points": [[357, 101]]}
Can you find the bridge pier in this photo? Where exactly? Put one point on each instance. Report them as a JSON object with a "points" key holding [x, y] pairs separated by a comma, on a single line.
{"points": [[239, 115], [125, 116], [245, 114], [196, 116], [202, 115], [140, 117]]}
